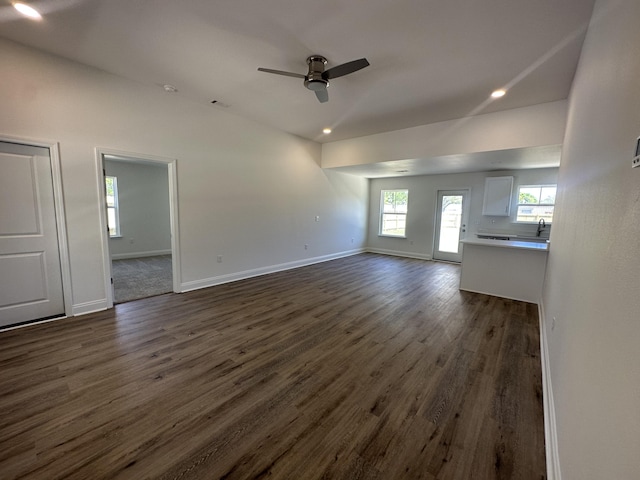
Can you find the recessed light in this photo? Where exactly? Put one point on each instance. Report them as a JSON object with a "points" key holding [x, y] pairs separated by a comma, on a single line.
{"points": [[498, 93], [326, 131], [169, 88], [27, 11]]}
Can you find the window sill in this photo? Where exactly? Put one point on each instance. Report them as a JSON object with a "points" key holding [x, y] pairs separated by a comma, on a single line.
{"points": [[116, 236], [391, 236]]}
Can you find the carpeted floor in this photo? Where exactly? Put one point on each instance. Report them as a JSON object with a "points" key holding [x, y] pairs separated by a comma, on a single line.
{"points": [[135, 278]]}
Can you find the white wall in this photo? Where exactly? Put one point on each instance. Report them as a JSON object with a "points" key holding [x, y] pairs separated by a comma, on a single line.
{"points": [[538, 125], [272, 179], [422, 207], [143, 200], [593, 274]]}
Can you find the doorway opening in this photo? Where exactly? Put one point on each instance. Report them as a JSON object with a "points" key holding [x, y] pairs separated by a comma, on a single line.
{"points": [[141, 277], [139, 209], [452, 216]]}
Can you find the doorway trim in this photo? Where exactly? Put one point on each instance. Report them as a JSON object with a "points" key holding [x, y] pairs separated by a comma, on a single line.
{"points": [[61, 222], [171, 164]]}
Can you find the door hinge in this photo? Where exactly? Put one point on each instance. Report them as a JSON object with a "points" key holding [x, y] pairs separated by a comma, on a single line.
{"points": [[111, 280]]}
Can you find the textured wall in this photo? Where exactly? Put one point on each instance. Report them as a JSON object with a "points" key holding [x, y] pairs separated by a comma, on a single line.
{"points": [[422, 207], [594, 263], [538, 125], [143, 194], [245, 191]]}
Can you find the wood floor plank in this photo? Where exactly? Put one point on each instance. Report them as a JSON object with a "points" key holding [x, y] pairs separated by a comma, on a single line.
{"points": [[366, 367]]}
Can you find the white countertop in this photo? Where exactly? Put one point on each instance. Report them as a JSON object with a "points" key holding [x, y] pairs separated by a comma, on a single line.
{"points": [[524, 245]]}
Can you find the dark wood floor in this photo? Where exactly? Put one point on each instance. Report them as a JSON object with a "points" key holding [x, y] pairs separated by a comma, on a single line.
{"points": [[368, 367]]}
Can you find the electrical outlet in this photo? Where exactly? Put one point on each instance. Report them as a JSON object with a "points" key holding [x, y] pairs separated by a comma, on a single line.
{"points": [[352, 240], [317, 218], [553, 324], [219, 258], [306, 247]]}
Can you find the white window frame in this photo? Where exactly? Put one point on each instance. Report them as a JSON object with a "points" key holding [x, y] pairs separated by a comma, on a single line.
{"points": [[115, 207], [518, 204], [381, 231]]}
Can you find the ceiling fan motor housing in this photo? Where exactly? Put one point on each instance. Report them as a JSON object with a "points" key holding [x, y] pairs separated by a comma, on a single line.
{"points": [[317, 80], [314, 80]]}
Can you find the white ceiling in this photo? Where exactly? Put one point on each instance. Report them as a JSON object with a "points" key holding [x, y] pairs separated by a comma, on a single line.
{"points": [[431, 60]]}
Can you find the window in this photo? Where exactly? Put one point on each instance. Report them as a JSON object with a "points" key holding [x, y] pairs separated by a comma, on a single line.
{"points": [[536, 202], [113, 215], [393, 212]]}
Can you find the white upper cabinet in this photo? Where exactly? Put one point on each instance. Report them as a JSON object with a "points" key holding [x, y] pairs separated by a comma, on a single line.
{"points": [[497, 196]]}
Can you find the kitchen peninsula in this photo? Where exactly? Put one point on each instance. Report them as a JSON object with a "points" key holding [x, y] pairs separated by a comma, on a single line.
{"points": [[512, 269]]}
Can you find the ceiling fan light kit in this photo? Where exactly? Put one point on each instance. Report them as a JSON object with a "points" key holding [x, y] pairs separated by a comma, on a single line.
{"points": [[317, 79]]}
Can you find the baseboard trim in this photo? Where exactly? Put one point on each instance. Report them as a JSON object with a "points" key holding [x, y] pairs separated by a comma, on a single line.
{"points": [[256, 272], [499, 296], [550, 426], [150, 253], [89, 307], [398, 253]]}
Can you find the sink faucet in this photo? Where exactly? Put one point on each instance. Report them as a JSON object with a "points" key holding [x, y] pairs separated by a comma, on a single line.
{"points": [[541, 226]]}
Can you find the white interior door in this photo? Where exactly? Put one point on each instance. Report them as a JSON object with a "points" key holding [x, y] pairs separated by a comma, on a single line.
{"points": [[452, 216], [30, 273]]}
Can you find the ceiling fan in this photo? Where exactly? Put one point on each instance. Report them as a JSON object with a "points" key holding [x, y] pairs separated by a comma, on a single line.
{"points": [[318, 78]]}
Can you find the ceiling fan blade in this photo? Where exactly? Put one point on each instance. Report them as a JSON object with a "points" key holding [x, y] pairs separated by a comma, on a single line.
{"points": [[280, 72], [345, 69], [323, 95]]}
